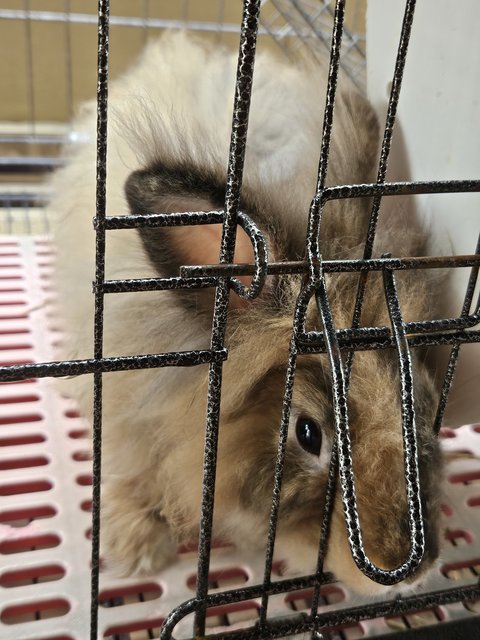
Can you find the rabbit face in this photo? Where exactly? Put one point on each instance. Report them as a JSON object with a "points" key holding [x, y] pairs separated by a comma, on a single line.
{"points": [[249, 441]]}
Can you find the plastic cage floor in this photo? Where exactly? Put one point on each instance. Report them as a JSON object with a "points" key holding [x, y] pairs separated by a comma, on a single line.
{"points": [[45, 484]]}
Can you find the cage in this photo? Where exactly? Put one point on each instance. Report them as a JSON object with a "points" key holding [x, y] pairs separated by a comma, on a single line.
{"points": [[52, 584]]}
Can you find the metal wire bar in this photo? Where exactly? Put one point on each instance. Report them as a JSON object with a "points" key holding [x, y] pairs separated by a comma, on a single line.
{"points": [[312, 245], [399, 189], [332, 266], [277, 482], [165, 219], [26, 199], [257, 239], [63, 368], [383, 162], [304, 623], [100, 212], [37, 138], [344, 445], [325, 532], [185, 9], [375, 342], [131, 21], [325, 194], [311, 23], [365, 339], [69, 64], [221, 18], [455, 352], [30, 74], [329, 104], [351, 37], [246, 59], [146, 13], [313, 255], [299, 33], [156, 284], [417, 327], [35, 164]]}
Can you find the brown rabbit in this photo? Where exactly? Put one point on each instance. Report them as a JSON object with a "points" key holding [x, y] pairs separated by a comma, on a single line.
{"points": [[168, 149]]}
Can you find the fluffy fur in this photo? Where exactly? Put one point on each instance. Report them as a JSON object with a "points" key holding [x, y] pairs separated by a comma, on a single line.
{"points": [[168, 150]]}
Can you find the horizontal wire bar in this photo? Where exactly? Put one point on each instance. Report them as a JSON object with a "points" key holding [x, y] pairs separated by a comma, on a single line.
{"points": [[134, 285], [399, 189], [286, 626], [340, 192], [132, 21], [136, 221], [14, 164], [333, 266], [61, 368], [26, 199], [37, 138], [418, 326], [366, 343]]}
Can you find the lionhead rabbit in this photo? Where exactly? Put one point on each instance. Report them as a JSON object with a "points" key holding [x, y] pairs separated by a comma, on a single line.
{"points": [[168, 150]]}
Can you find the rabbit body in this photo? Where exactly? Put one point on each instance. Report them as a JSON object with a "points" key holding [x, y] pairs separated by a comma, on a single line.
{"points": [[170, 120]]}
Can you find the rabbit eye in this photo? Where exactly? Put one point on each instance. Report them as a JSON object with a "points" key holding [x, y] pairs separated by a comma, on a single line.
{"points": [[309, 435]]}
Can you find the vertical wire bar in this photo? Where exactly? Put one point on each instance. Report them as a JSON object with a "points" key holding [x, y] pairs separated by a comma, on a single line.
{"points": [[185, 11], [330, 97], [314, 221], [313, 241], [342, 434], [293, 25], [146, 16], [454, 353], [246, 58], [350, 32], [220, 19], [277, 482], [409, 431], [267, 29], [101, 176], [325, 530], [309, 19], [314, 217], [383, 163], [30, 74], [68, 62], [243, 89]]}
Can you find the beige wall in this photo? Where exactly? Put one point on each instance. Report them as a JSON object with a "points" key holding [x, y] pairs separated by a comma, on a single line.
{"points": [[40, 82], [54, 89]]}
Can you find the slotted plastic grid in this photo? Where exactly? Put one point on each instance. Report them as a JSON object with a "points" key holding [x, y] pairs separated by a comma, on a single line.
{"points": [[45, 501]]}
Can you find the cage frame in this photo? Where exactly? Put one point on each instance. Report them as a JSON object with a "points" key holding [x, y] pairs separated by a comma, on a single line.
{"points": [[448, 331]]}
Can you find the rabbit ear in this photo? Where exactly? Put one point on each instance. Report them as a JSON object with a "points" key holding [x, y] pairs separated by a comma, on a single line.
{"points": [[165, 190]]}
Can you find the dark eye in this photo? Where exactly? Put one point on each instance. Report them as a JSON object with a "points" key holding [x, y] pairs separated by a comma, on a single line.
{"points": [[309, 435]]}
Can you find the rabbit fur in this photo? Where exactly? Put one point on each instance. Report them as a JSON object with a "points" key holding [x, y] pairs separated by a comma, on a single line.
{"points": [[168, 140]]}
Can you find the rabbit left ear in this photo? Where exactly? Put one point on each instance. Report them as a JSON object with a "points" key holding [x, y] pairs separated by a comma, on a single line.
{"points": [[165, 190]]}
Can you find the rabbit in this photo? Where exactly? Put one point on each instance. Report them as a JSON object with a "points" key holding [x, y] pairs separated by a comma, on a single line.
{"points": [[168, 141]]}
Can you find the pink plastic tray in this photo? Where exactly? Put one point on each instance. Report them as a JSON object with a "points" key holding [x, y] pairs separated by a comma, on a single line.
{"points": [[45, 485]]}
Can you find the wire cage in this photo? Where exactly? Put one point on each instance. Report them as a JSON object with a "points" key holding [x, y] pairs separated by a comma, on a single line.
{"points": [[51, 579]]}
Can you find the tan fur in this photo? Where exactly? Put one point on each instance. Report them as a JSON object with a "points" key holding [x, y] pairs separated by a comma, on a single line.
{"points": [[171, 119]]}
